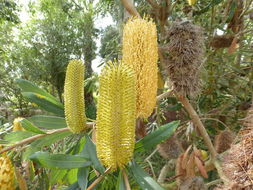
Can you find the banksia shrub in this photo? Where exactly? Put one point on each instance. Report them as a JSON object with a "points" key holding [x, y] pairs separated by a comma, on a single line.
{"points": [[140, 51], [74, 96], [17, 124], [116, 115], [185, 49], [6, 174]]}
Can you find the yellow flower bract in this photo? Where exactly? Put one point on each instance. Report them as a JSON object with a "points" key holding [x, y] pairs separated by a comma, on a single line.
{"points": [[116, 115], [17, 125], [74, 96], [140, 51], [6, 174]]}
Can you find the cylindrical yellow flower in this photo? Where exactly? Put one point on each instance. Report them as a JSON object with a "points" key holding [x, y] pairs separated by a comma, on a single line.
{"points": [[6, 174], [17, 124], [192, 2], [140, 51], [74, 96], [116, 115]]}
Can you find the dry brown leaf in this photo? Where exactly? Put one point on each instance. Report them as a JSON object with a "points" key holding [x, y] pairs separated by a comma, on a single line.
{"points": [[190, 168], [186, 157], [201, 167]]}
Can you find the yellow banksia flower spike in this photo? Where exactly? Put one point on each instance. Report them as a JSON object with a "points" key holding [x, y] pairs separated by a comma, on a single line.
{"points": [[191, 2], [140, 51], [17, 124], [116, 115], [6, 174], [74, 96]]}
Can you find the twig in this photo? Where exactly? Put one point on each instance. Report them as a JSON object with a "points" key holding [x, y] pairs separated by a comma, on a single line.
{"points": [[162, 96], [33, 138], [127, 185], [146, 159], [130, 8], [97, 181], [213, 183], [153, 3]]}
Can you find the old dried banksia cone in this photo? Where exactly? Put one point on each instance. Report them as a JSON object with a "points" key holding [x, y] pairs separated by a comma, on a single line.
{"points": [[6, 174], [140, 51], [74, 96], [17, 124], [185, 49], [116, 115]]}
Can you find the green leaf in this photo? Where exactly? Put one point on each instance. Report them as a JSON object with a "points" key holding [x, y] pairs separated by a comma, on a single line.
{"points": [[231, 11], [120, 182], [27, 86], [50, 139], [156, 137], [28, 126], [72, 175], [56, 175], [48, 122], [74, 186], [205, 9], [142, 178], [18, 136], [89, 151], [60, 161], [44, 102], [82, 176]]}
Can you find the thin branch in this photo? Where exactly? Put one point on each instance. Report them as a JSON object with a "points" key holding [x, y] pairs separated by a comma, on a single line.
{"points": [[33, 138], [98, 180], [162, 96], [127, 184], [130, 8]]}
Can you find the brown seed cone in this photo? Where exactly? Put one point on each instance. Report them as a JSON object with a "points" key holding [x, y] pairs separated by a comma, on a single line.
{"points": [[223, 141], [223, 41], [248, 121], [170, 149], [185, 48]]}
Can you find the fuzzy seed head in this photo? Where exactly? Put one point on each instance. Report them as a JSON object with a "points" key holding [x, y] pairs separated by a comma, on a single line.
{"points": [[116, 115], [6, 174], [74, 96], [140, 51], [17, 124], [223, 141]]}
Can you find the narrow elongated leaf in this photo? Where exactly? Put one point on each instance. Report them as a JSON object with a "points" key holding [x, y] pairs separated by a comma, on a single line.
{"points": [[120, 182], [27, 86], [18, 136], [89, 151], [205, 9], [156, 137], [74, 186], [60, 161], [44, 102], [50, 139], [56, 175], [28, 126], [48, 122], [142, 178], [82, 177]]}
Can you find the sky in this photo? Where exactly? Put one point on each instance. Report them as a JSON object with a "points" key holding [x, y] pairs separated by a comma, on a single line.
{"points": [[100, 23]]}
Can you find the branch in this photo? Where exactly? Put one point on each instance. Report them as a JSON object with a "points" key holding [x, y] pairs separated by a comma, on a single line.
{"points": [[127, 185], [163, 95], [97, 181], [33, 138], [130, 8]]}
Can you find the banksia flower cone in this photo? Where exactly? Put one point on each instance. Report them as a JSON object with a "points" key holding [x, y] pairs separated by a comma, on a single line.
{"points": [[74, 96], [140, 51], [116, 116], [17, 124], [6, 174], [186, 49], [192, 2]]}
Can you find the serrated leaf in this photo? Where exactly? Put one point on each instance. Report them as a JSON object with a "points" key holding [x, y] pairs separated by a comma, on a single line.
{"points": [[18, 136], [48, 122], [82, 177], [89, 151], [60, 161], [28, 126], [44, 102], [156, 137], [120, 182], [142, 178], [50, 139]]}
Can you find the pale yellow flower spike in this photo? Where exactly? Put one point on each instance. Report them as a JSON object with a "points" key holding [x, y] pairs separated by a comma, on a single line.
{"points": [[192, 2], [74, 96], [140, 51], [6, 174], [116, 115], [17, 125]]}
